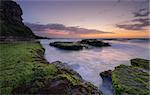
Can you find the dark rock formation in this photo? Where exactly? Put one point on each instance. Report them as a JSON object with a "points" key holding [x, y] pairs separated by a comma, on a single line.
{"points": [[11, 23], [87, 43], [94, 42], [67, 45], [107, 82], [143, 63], [106, 74]]}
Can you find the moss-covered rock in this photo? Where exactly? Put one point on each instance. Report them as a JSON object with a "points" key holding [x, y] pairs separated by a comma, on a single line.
{"points": [[87, 43], [64, 68], [94, 42], [67, 45], [142, 63], [130, 80]]}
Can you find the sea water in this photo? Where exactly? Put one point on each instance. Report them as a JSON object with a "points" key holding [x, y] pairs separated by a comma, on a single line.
{"points": [[90, 62]]}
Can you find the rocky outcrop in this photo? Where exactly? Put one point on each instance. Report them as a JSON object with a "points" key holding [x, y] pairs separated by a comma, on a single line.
{"points": [[130, 80], [72, 82], [106, 74], [94, 42], [64, 82], [64, 68], [142, 63], [67, 45], [11, 23], [87, 43]]}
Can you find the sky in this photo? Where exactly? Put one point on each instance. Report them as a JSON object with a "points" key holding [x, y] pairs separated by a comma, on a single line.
{"points": [[87, 18]]}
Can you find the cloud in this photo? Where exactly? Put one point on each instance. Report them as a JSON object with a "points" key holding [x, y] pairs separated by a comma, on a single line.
{"points": [[140, 21], [60, 29], [142, 13], [139, 24]]}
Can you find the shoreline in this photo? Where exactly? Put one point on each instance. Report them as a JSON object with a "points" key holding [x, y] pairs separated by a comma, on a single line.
{"points": [[62, 58], [61, 69], [38, 69]]}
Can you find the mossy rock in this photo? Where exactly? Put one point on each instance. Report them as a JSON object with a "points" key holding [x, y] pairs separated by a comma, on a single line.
{"points": [[67, 45], [79, 45], [129, 80], [142, 63], [94, 42]]}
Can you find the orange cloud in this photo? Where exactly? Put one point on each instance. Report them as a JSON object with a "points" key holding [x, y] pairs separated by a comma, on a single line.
{"points": [[56, 32]]}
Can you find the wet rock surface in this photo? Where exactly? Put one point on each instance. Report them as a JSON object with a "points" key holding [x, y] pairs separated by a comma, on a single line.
{"points": [[65, 82], [87, 43], [67, 45], [94, 42], [142, 63], [129, 80], [106, 74]]}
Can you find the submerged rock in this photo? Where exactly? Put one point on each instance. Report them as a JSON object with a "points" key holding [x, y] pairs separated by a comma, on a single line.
{"points": [[67, 45], [142, 63], [94, 42]]}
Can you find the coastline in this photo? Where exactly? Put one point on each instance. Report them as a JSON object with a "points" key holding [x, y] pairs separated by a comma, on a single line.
{"points": [[26, 71]]}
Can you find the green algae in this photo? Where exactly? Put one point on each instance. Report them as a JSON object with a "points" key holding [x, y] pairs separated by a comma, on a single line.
{"points": [[130, 80]]}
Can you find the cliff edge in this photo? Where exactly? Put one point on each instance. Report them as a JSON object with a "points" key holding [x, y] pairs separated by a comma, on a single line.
{"points": [[11, 22]]}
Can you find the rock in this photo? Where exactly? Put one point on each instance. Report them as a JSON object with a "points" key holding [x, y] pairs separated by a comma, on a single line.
{"points": [[106, 74], [64, 68], [94, 42], [67, 45], [142, 63], [65, 82], [130, 80], [77, 85], [11, 23], [107, 82], [87, 43]]}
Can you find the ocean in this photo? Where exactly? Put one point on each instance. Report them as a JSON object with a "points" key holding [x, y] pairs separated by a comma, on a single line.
{"points": [[90, 62]]}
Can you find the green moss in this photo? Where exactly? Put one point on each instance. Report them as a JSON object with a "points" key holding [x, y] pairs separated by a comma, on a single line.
{"points": [[19, 65], [142, 63], [72, 79], [130, 80]]}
